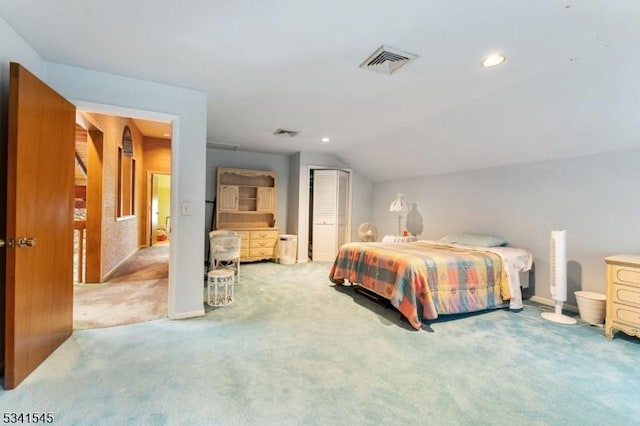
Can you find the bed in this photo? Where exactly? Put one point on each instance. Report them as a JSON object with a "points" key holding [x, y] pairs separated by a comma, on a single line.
{"points": [[425, 279]]}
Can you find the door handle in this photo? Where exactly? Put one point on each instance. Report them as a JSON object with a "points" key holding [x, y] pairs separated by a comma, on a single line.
{"points": [[26, 242], [1, 242]]}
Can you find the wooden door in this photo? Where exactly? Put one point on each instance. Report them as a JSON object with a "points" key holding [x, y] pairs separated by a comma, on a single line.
{"points": [[39, 233]]}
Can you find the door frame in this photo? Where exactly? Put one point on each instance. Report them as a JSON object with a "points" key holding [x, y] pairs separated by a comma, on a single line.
{"points": [[94, 203]]}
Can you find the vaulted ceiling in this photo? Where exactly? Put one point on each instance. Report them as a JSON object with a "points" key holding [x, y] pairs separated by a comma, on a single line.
{"points": [[569, 85]]}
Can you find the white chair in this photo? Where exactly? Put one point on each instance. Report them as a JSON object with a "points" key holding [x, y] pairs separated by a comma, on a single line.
{"points": [[224, 251]]}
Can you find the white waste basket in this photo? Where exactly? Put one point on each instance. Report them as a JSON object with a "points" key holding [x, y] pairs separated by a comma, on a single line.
{"points": [[591, 306], [287, 249]]}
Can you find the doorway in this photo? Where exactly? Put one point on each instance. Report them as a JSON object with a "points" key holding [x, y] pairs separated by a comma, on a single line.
{"points": [[120, 267], [159, 208]]}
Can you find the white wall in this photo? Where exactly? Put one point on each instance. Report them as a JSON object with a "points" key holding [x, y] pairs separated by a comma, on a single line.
{"points": [[14, 49], [187, 110], [595, 198], [293, 213], [362, 202]]}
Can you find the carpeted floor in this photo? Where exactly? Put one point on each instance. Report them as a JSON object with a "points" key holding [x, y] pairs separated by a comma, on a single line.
{"points": [[295, 350], [136, 292]]}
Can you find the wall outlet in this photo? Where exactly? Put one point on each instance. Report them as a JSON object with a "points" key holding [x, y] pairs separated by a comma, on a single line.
{"points": [[186, 209]]}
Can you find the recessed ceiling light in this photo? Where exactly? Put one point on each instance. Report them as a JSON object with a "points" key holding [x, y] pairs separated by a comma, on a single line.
{"points": [[492, 60], [325, 140]]}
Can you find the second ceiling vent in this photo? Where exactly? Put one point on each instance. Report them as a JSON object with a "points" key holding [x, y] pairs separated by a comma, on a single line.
{"points": [[387, 60]]}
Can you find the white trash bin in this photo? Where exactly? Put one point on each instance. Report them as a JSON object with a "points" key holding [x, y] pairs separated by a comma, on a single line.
{"points": [[591, 306], [287, 249]]}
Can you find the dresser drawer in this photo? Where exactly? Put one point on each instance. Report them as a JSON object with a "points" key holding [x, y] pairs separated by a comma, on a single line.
{"points": [[626, 294], [625, 314], [257, 243], [264, 234], [625, 275], [261, 252], [262, 244]]}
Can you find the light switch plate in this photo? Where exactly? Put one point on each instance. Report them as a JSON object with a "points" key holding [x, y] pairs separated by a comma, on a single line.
{"points": [[186, 209]]}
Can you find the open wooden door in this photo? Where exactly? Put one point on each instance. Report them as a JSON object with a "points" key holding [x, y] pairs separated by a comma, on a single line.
{"points": [[39, 216]]}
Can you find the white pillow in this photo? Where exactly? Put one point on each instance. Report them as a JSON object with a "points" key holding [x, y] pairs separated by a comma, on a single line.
{"points": [[474, 240]]}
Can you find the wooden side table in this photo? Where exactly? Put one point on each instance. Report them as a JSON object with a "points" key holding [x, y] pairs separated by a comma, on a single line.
{"points": [[623, 295], [220, 290]]}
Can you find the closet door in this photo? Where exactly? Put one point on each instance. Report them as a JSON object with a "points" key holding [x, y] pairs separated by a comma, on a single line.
{"points": [[330, 213], [342, 198], [325, 215]]}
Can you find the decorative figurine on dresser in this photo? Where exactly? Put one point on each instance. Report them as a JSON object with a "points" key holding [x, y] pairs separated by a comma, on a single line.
{"points": [[246, 204], [623, 295]]}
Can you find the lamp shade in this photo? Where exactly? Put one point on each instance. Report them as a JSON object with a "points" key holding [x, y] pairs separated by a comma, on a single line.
{"points": [[399, 204]]}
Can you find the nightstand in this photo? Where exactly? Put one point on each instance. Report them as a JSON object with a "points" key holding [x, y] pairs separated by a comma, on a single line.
{"points": [[399, 239]]}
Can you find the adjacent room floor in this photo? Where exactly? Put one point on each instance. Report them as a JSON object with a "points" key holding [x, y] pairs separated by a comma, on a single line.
{"points": [[136, 292]]}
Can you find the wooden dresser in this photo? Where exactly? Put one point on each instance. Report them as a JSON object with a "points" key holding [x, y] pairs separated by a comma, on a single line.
{"points": [[257, 243], [623, 295], [246, 204]]}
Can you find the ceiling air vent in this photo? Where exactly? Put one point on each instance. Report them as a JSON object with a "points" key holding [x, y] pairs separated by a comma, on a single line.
{"points": [[283, 132], [222, 145], [387, 60]]}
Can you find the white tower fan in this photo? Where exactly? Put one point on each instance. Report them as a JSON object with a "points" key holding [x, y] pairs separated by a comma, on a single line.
{"points": [[558, 276]]}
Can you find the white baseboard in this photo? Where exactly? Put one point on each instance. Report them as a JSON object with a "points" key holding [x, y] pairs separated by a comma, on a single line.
{"points": [[551, 302], [189, 314]]}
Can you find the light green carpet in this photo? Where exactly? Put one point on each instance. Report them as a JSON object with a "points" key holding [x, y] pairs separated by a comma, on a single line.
{"points": [[293, 349]]}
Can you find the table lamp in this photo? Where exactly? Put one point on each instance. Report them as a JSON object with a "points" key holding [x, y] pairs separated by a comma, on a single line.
{"points": [[399, 205]]}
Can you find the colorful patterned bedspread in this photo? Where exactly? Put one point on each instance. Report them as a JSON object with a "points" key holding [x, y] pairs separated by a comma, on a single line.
{"points": [[423, 280]]}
